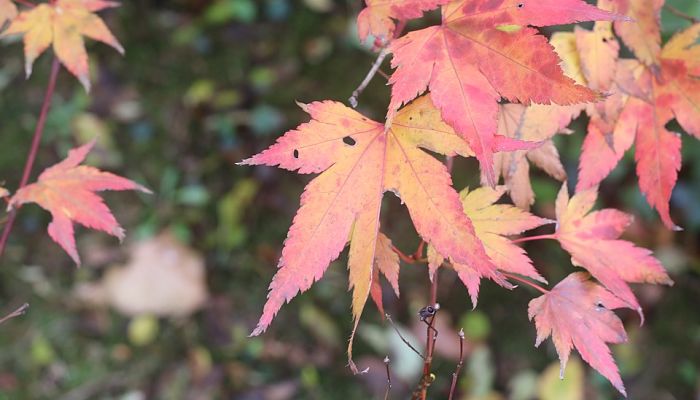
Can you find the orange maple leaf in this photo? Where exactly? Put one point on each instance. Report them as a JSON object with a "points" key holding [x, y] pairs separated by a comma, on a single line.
{"points": [[63, 24], [492, 224], [482, 52], [592, 240], [577, 314], [66, 190], [360, 159], [643, 35]]}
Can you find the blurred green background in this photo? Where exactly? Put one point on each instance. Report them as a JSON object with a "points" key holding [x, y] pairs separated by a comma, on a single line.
{"points": [[203, 85]]}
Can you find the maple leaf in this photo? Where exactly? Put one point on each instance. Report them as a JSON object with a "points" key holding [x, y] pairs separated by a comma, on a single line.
{"points": [[592, 57], [360, 159], [492, 223], [537, 123], [657, 95], [577, 314], [592, 240], [643, 35], [62, 24], [67, 191], [8, 11], [476, 57], [376, 18]]}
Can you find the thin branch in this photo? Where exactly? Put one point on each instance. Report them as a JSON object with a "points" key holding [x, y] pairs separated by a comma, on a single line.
{"points": [[525, 281], [391, 321], [18, 312], [388, 378], [455, 375], [531, 238], [38, 132], [678, 13], [368, 78], [431, 338]]}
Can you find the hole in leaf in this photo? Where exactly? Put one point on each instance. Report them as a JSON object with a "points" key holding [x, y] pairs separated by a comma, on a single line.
{"points": [[296, 153], [349, 141]]}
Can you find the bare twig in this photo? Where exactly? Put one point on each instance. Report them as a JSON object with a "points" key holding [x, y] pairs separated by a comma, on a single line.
{"points": [[38, 132], [391, 321], [388, 378], [678, 13], [455, 375], [368, 78], [18, 312]]}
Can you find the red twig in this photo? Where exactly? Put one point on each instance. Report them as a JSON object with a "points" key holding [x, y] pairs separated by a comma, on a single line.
{"points": [[455, 375], [38, 132], [525, 281], [403, 256], [531, 238], [431, 337]]}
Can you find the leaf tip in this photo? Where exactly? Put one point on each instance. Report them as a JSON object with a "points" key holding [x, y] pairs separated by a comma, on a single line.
{"points": [[257, 331], [85, 81]]}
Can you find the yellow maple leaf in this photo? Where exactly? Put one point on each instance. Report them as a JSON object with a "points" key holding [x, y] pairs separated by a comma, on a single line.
{"points": [[63, 24]]}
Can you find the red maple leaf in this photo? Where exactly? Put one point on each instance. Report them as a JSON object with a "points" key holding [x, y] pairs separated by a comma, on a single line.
{"points": [[577, 314], [67, 191], [481, 52]]}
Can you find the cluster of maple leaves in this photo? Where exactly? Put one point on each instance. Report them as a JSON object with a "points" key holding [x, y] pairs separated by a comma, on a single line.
{"points": [[483, 53], [67, 189]]}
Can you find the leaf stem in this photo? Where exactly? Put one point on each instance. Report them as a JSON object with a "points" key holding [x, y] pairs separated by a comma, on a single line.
{"points": [[368, 78], [376, 65], [678, 13], [36, 140], [525, 281], [531, 238]]}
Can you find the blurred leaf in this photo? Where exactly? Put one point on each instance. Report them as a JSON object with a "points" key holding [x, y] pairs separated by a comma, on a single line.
{"points": [[143, 330], [223, 11], [41, 353], [569, 388], [320, 324], [231, 208], [476, 325], [164, 278]]}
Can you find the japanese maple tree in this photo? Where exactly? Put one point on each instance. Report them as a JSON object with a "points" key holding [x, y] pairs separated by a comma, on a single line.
{"points": [[498, 90]]}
